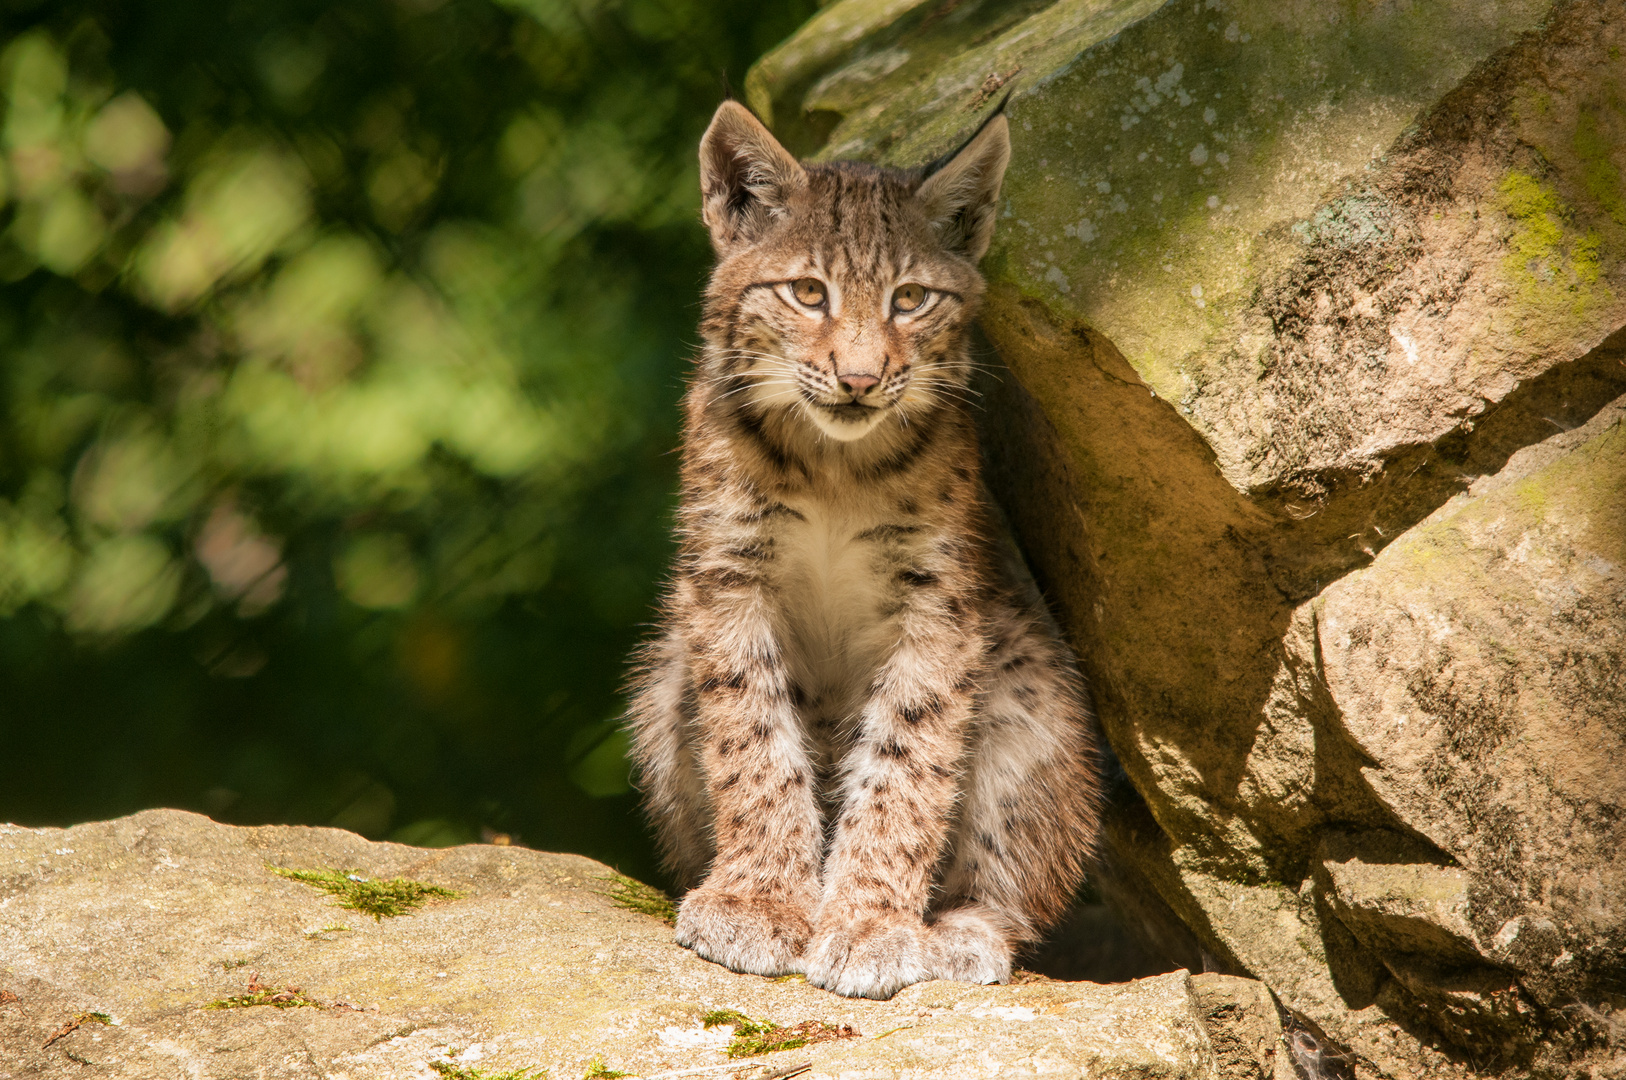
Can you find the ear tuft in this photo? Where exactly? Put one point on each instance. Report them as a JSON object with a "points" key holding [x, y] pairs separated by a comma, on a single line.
{"points": [[746, 177], [961, 194]]}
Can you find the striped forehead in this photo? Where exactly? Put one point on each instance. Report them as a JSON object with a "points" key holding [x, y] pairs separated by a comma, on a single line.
{"points": [[857, 219]]}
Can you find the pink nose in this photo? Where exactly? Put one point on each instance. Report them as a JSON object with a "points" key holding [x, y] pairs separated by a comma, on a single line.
{"points": [[857, 385]]}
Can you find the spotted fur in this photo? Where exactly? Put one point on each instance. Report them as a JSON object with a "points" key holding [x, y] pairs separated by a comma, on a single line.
{"points": [[867, 754]]}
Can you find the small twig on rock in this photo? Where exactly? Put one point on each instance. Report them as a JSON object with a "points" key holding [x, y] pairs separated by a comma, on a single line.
{"points": [[672, 1074], [753, 1037], [735, 1067], [7, 997], [73, 1025], [792, 1070], [701, 1070]]}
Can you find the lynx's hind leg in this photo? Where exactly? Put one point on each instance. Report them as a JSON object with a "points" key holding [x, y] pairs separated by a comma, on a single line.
{"points": [[660, 720], [1029, 813]]}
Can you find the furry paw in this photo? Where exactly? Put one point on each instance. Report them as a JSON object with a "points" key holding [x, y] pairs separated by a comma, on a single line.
{"points": [[968, 945], [749, 934], [871, 958]]}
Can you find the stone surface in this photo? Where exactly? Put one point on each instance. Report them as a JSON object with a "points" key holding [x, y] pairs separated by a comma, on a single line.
{"points": [[1480, 665], [151, 918], [1397, 906], [1274, 285], [1244, 1026]]}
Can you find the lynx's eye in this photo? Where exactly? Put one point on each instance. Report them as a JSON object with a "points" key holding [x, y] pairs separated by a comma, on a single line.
{"points": [[908, 298], [809, 292]]}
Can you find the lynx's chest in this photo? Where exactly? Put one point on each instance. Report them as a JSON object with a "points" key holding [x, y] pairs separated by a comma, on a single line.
{"points": [[835, 582]]}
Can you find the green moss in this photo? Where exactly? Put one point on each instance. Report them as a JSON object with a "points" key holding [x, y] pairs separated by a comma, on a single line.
{"points": [[392, 897], [1536, 208], [1545, 270], [597, 1070], [1532, 496], [314, 934], [1585, 258], [452, 1071], [741, 1022], [753, 1037], [1599, 174], [278, 997], [624, 892]]}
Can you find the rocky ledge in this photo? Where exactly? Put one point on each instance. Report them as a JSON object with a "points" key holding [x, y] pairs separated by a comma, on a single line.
{"points": [[167, 945]]}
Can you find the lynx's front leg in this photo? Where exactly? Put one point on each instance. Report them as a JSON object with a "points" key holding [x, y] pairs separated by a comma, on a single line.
{"points": [[900, 788], [753, 912]]}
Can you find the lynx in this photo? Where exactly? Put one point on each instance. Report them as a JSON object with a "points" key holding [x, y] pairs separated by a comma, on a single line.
{"points": [[867, 755]]}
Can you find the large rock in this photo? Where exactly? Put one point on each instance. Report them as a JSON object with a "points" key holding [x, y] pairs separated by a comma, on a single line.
{"points": [[158, 921], [1479, 665], [1275, 284]]}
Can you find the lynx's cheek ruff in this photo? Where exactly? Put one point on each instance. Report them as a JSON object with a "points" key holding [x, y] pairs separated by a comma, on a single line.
{"points": [[866, 752]]}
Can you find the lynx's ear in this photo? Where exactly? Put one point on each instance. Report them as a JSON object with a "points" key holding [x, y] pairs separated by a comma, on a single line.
{"points": [[746, 177], [960, 191]]}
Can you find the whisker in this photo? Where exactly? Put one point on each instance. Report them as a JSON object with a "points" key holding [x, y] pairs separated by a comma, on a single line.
{"points": [[751, 354], [951, 390]]}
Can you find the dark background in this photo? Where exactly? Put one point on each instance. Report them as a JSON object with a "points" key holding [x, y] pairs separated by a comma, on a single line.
{"points": [[341, 351]]}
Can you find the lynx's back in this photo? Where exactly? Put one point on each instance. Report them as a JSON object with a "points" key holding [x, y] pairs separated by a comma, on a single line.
{"points": [[863, 747]]}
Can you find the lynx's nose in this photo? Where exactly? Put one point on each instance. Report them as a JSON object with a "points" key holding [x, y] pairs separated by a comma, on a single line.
{"points": [[857, 385]]}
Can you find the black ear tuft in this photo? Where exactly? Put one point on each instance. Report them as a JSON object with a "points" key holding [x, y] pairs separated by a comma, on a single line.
{"points": [[746, 177], [960, 191]]}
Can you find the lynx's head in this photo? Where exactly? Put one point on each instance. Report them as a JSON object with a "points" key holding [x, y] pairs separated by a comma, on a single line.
{"points": [[843, 292]]}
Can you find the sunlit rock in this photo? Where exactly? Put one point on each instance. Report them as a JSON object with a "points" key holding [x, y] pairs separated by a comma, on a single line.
{"points": [[1273, 284], [164, 941]]}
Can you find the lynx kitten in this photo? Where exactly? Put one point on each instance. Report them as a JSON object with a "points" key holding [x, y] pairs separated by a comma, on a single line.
{"points": [[868, 756]]}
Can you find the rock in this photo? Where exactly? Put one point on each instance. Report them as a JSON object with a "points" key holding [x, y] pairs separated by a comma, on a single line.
{"points": [[1480, 666], [1244, 1025], [1393, 903], [1277, 290], [1481, 1009], [155, 920]]}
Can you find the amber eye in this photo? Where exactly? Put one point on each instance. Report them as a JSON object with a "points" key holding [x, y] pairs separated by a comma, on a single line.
{"points": [[908, 297], [808, 291]]}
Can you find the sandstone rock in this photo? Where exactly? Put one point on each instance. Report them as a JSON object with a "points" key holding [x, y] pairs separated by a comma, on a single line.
{"points": [[1393, 903], [1244, 1026], [150, 919], [1273, 284], [1480, 665]]}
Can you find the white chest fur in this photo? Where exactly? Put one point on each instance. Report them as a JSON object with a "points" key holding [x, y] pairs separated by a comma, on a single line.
{"points": [[832, 579]]}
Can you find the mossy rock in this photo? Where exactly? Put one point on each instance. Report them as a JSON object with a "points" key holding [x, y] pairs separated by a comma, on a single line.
{"points": [[1272, 284]]}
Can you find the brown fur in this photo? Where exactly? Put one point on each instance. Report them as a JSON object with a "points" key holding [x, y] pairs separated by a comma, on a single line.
{"points": [[866, 752]]}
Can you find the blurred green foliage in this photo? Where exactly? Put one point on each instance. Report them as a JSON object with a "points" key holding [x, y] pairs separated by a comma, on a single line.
{"points": [[341, 345]]}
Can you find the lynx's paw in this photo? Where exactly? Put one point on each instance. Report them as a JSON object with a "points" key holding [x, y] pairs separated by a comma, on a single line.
{"points": [[749, 934], [967, 945], [872, 958]]}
